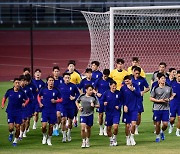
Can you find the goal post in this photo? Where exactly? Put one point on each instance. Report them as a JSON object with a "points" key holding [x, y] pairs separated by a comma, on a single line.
{"points": [[151, 33]]}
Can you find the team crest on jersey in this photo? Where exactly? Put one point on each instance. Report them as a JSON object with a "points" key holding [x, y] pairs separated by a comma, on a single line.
{"points": [[53, 94], [117, 96], [40, 86], [139, 83], [70, 88], [25, 91], [97, 76], [19, 96], [31, 89]]}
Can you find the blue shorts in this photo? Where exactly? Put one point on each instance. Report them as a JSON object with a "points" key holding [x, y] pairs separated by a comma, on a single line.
{"points": [[112, 119], [37, 108], [51, 118], [88, 120], [69, 113], [59, 107], [161, 115], [140, 107], [25, 113], [129, 117], [174, 109], [14, 118]]}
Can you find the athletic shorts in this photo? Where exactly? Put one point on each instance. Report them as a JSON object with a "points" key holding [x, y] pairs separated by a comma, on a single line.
{"points": [[174, 110], [130, 116], [140, 107], [25, 113], [112, 119], [14, 118], [59, 107], [69, 113], [51, 118], [88, 120], [161, 115]]}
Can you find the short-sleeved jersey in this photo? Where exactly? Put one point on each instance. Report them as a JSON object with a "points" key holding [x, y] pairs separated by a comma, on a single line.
{"points": [[39, 83], [112, 99], [102, 85], [96, 75], [75, 78], [85, 102], [142, 71], [118, 76], [85, 82], [33, 88], [154, 76], [176, 90], [130, 98], [28, 92], [170, 82], [66, 91], [47, 95], [161, 93], [15, 100], [58, 82]]}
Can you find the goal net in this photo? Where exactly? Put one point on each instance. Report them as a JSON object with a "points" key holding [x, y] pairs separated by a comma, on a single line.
{"points": [[150, 33]]}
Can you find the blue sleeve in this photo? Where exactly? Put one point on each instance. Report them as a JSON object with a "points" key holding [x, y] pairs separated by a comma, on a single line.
{"points": [[6, 94], [80, 86], [96, 84], [146, 84], [41, 92], [76, 92], [121, 98]]}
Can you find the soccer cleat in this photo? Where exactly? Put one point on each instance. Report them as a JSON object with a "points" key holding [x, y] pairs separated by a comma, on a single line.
{"points": [[10, 138], [170, 129], [157, 140], [14, 144], [44, 140], [114, 141], [49, 142], [64, 140], [132, 140], [87, 144], [177, 133], [57, 132], [128, 141], [162, 136], [54, 133], [83, 145], [68, 137], [20, 139], [111, 143]]}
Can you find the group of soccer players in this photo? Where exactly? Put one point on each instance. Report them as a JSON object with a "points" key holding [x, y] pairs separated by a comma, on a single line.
{"points": [[61, 97]]}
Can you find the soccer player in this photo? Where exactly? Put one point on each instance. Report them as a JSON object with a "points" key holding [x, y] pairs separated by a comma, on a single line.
{"points": [[86, 104], [58, 80], [144, 88], [119, 73], [96, 74], [26, 110], [161, 95], [75, 77], [70, 93], [172, 76], [47, 98], [17, 100], [26, 70], [175, 105], [101, 85], [162, 69], [86, 81], [130, 92], [39, 84], [113, 111], [135, 62]]}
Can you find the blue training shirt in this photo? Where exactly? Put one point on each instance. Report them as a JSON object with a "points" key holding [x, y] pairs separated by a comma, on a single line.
{"points": [[48, 106], [15, 100], [96, 75], [176, 90], [68, 90], [85, 82]]}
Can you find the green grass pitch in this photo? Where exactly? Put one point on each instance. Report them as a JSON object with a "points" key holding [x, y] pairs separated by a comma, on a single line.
{"points": [[99, 144]]}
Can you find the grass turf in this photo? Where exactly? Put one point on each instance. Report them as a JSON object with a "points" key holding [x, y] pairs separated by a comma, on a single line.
{"points": [[99, 144]]}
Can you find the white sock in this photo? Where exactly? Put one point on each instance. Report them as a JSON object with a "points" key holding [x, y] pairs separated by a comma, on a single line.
{"points": [[110, 138], [15, 140], [162, 131], [84, 140], [132, 135], [56, 127], [178, 129], [69, 130], [49, 137], [64, 134], [21, 134], [101, 127], [158, 136], [87, 139], [35, 123], [114, 136], [44, 134], [11, 132]]}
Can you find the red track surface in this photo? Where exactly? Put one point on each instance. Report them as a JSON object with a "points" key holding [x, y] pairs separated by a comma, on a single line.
{"points": [[50, 48]]}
